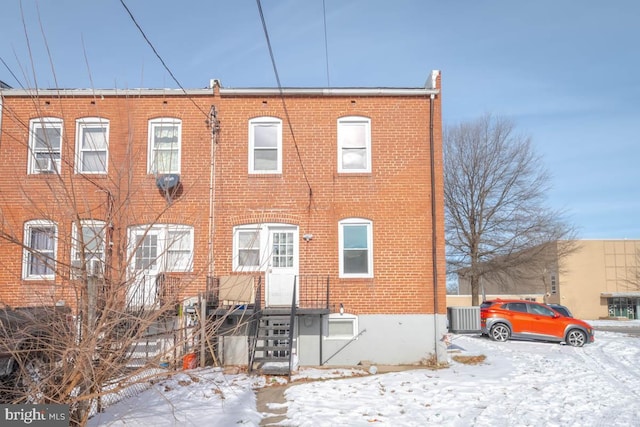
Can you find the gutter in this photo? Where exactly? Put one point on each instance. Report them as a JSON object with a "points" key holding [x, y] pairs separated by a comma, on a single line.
{"points": [[103, 92], [329, 91], [418, 92]]}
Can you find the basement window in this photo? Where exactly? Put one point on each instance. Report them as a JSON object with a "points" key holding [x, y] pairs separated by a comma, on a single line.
{"points": [[341, 326]]}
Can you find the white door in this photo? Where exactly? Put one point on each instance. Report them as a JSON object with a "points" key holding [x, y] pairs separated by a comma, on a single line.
{"points": [[283, 266], [145, 267]]}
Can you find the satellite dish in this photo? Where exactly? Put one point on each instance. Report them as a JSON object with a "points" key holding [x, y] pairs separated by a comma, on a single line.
{"points": [[168, 182]]}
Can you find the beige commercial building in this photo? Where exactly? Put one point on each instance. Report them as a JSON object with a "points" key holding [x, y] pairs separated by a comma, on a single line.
{"points": [[599, 279]]}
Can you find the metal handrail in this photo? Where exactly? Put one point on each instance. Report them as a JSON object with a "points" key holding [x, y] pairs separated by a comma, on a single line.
{"points": [[291, 325], [254, 323]]}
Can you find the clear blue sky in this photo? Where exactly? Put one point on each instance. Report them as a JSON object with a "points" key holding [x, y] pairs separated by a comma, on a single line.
{"points": [[565, 71]]}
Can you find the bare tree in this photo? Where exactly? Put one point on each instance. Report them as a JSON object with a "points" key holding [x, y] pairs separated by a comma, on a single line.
{"points": [[121, 329], [495, 189]]}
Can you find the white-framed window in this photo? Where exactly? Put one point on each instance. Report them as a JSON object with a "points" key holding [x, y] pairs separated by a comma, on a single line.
{"points": [[265, 145], [246, 249], [165, 141], [89, 242], [258, 246], [92, 145], [162, 247], [40, 245], [179, 245], [354, 144], [45, 144], [341, 326], [355, 236]]}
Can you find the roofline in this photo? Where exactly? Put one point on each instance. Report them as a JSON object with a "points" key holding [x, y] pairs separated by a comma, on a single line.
{"points": [[103, 92], [630, 294], [329, 91], [223, 92]]}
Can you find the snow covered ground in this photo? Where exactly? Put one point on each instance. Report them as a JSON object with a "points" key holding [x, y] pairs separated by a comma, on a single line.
{"points": [[519, 384]]}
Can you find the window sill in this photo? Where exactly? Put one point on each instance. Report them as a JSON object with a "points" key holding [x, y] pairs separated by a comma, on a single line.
{"points": [[265, 175], [355, 174]]}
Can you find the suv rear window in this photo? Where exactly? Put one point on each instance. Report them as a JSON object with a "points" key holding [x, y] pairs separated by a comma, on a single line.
{"points": [[486, 304]]}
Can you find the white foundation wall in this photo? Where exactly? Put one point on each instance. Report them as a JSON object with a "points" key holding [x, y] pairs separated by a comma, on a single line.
{"points": [[383, 339]]}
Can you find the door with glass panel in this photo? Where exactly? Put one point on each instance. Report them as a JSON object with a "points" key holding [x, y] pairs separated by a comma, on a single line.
{"points": [[283, 266], [145, 266]]}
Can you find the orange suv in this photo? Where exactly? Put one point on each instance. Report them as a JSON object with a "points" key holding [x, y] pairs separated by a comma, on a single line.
{"points": [[505, 319]]}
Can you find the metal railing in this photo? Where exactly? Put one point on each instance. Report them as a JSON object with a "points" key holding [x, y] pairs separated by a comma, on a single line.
{"points": [[313, 291]]}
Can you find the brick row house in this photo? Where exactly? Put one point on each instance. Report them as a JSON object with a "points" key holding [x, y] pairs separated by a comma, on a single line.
{"points": [[318, 211]]}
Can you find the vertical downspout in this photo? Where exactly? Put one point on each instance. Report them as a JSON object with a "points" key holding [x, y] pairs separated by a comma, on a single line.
{"points": [[214, 124], [434, 243]]}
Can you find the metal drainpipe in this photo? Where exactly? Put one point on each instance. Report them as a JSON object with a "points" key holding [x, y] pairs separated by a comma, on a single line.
{"points": [[213, 122], [434, 246]]}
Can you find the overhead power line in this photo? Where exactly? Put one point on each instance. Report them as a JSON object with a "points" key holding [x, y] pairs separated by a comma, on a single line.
{"points": [[284, 104], [160, 58], [326, 44]]}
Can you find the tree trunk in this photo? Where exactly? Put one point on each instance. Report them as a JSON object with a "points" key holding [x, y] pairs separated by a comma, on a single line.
{"points": [[475, 290]]}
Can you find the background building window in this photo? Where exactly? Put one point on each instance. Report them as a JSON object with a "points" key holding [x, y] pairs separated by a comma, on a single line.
{"points": [[356, 254], [92, 145], [39, 258], [165, 139], [45, 144], [265, 145], [354, 144]]}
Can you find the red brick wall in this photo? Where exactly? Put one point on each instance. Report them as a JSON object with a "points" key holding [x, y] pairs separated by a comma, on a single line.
{"points": [[395, 196]]}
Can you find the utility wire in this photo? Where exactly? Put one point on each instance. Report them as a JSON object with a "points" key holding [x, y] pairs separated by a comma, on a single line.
{"points": [[326, 44], [160, 58], [284, 105]]}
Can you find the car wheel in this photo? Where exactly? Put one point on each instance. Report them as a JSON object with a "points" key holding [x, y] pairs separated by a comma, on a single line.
{"points": [[576, 338], [499, 332]]}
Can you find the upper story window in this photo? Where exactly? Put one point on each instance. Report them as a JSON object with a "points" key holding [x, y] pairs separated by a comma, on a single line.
{"points": [[92, 145], [45, 142], [265, 145], [354, 144], [355, 237], [165, 139], [39, 255]]}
